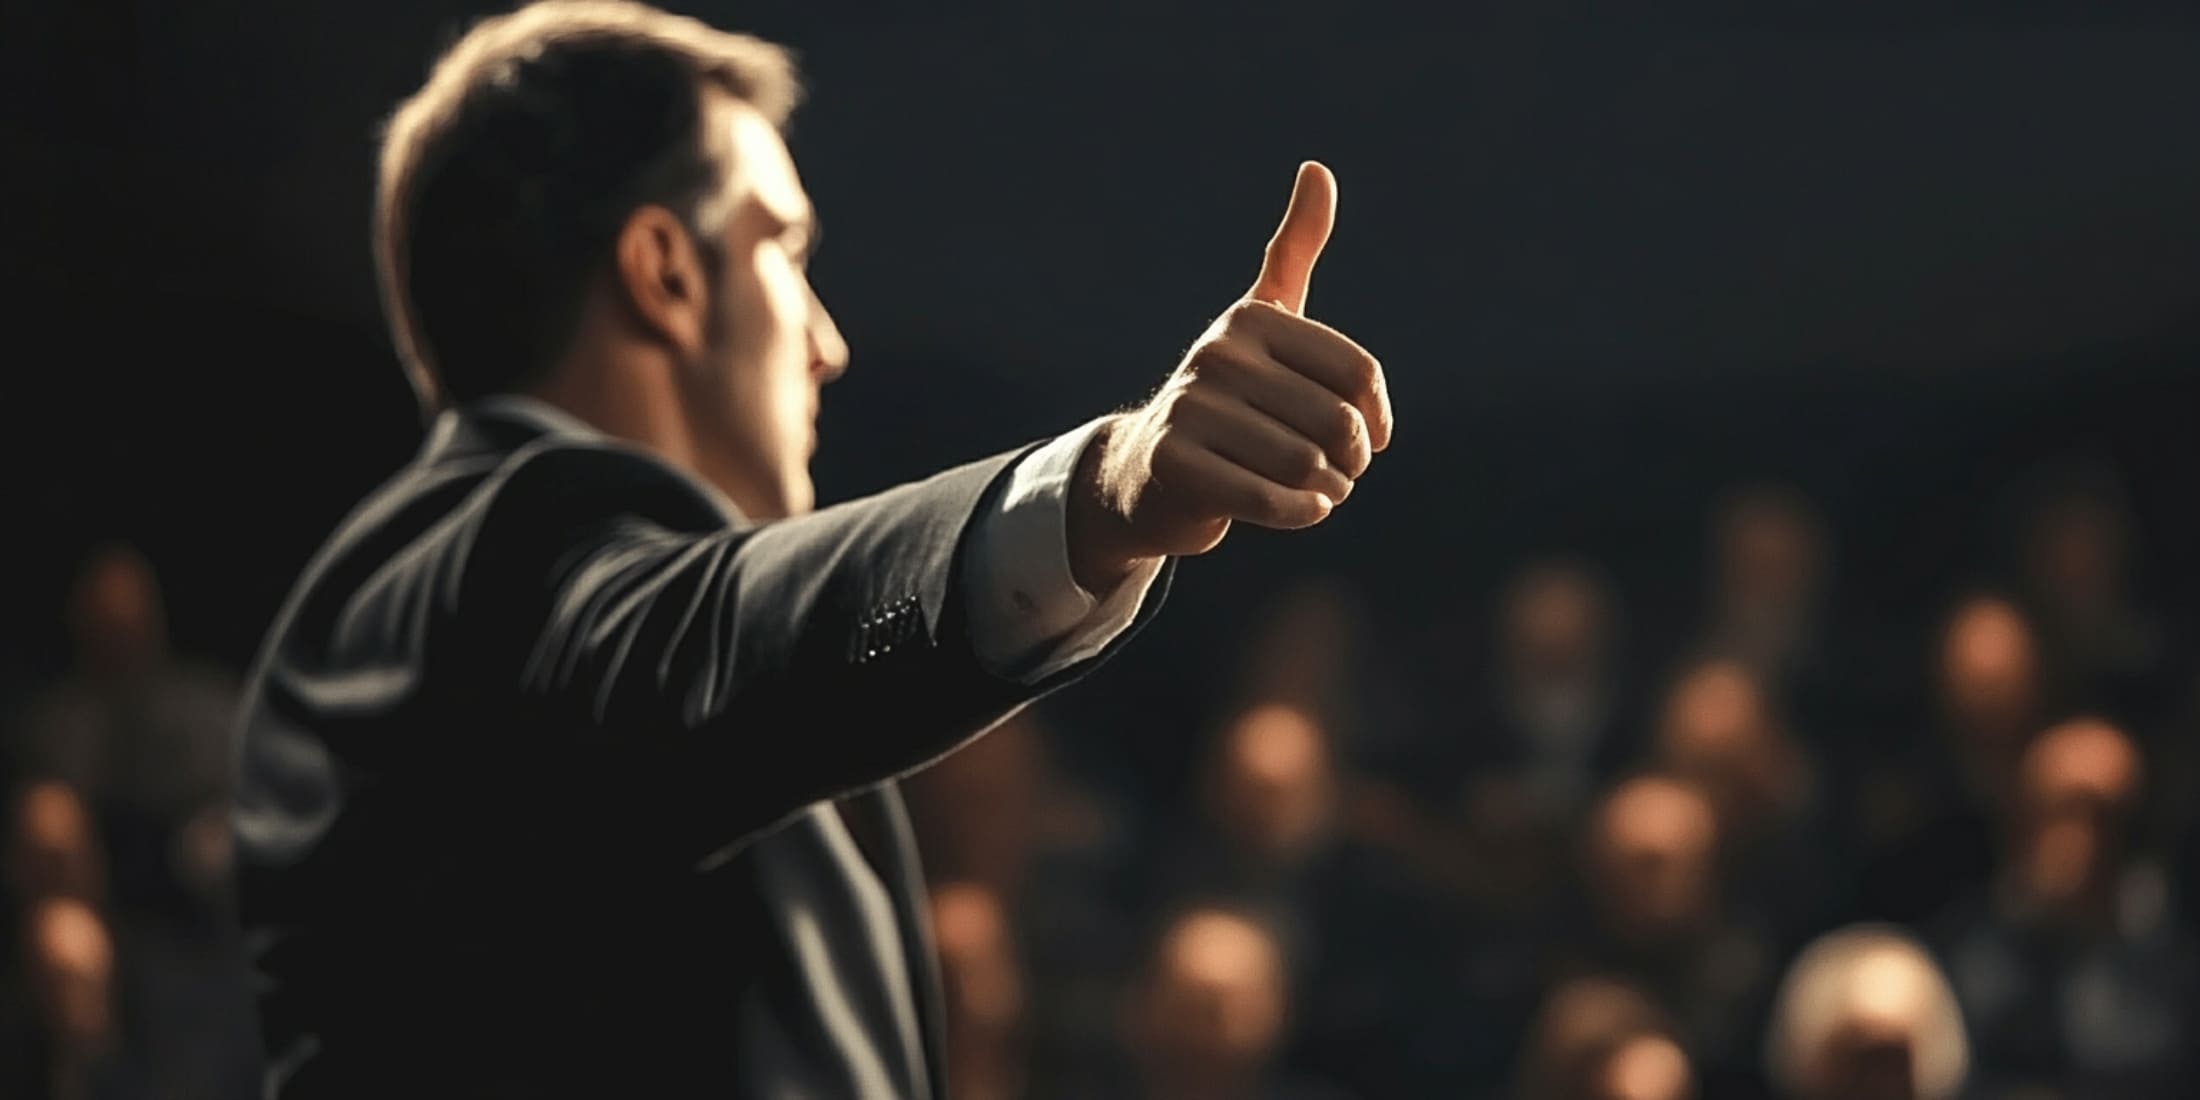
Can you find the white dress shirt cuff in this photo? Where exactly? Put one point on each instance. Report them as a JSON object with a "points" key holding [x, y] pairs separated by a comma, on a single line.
{"points": [[1029, 618]]}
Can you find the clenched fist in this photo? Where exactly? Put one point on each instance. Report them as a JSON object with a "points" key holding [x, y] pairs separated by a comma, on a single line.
{"points": [[1269, 419]]}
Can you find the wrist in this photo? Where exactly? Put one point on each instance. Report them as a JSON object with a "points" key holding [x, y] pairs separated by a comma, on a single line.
{"points": [[1100, 551]]}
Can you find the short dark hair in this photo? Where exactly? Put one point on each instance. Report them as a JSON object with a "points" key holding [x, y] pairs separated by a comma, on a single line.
{"points": [[505, 179]]}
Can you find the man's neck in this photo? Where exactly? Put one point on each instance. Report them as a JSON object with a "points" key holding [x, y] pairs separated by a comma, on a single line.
{"points": [[624, 407], [638, 402]]}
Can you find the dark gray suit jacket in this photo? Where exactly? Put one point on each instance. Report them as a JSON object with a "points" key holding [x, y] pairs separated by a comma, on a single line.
{"points": [[549, 768]]}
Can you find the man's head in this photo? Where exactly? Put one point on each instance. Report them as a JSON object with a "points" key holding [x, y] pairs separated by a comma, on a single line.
{"points": [[1598, 1039], [982, 986], [1768, 550], [53, 847], [1651, 860], [2077, 788], [2076, 543], [1717, 728], [1556, 622], [1865, 1014], [72, 972], [1301, 652], [1989, 678], [1272, 788], [1212, 1006], [592, 198], [115, 613]]}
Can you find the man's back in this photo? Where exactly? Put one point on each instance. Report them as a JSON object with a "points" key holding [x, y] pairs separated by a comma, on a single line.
{"points": [[535, 770]]}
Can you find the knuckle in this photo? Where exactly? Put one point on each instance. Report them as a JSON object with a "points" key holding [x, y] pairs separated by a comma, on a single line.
{"points": [[1345, 428], [1367, 373], [1170, 451], [1161, 411], [1253, 311], [1218, 358], [1187, 403], [1306, 463], [1306, 510], [1357, 462], [1288, 508], [1264, 501], [1222, 359]]}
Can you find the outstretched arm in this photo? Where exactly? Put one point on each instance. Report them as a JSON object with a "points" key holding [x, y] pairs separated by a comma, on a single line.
{"points": [[771, 665], [809, 657]]}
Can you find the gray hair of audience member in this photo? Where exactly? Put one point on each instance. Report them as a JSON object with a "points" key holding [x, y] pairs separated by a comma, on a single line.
{"points": [[1870, 979]]}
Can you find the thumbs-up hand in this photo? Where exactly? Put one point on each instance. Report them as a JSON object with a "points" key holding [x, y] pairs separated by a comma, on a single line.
{"points": [[1269, 420]]}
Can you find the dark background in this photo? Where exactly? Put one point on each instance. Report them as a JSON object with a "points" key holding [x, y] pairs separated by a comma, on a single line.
{"points": [[1615, 256]]}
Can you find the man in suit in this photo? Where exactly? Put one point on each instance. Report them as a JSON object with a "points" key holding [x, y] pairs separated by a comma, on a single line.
{"points": [[568, 767]]}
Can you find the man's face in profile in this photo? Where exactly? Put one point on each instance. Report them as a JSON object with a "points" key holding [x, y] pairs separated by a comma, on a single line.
{"points": [[752, 399]]}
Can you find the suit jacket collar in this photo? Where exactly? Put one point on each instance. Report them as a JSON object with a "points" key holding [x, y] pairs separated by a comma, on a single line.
{"points": [[536, 413], [501, 424], [504, 423]]}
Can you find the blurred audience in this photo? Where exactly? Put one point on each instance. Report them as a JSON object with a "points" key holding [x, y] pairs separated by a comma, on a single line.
{"points": [[1784, 864], [1556, 724], [1266, 817], [1992, 697], [121, 838], [1769, 583], [2109, 651], [72, 979], [1930, 816], [984, 993], [1210, 1013], [54, 849], [1865, 1013], [1656, 918], [1540, 873], [1717, 728], [1055, 864], [2074, 979], [1557, 732], [1556, 886], [1305, 654], [1595, 1038], [2075, 554], [142, 737]]}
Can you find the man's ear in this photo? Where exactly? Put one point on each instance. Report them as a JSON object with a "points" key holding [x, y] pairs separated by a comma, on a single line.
{"points": [[660, 276]]}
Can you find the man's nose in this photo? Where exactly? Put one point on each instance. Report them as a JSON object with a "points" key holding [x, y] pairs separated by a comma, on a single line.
{"points": [[828, 350]]}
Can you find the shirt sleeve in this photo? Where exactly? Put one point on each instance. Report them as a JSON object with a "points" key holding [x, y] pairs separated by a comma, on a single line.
{"points": [[1028, 616]]}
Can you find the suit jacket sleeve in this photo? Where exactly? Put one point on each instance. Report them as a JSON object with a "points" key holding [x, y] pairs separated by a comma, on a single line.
{"points": [[742, 671]]}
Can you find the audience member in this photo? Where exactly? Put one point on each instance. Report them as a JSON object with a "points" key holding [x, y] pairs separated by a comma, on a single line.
{"points": [[126, 811], [1595, 1038], [1054, 860], [1208, 1017], [1864, 1013], [1784, 865], [1266, 823], [1929, 818], [2072, 974], [1652, 877], [984, 993], [2075, 560], [54, 849], [1769, 583], [72, 980]]}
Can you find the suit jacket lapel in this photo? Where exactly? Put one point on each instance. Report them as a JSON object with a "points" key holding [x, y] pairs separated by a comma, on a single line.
{"points": [[880, 819]]}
